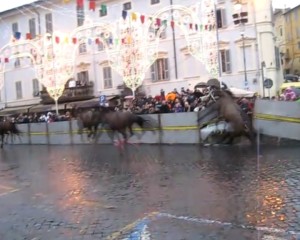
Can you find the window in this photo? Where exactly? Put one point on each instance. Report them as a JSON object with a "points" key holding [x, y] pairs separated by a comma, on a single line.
{"points": [[225, 61], [154, 2], [82, 48], [221, 18], [277, 57], [82, 78], [15, 27], [296, 14], [160, 70], [107, 79], [100, 46], [35, 87], [17, 63], [19, 90], [49, 25], [280, 30], [161, 29], [127, 6], [298, 32], [80, 15], [32, 27]]}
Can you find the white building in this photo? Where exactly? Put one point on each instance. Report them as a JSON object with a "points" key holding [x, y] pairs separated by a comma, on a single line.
{"points": [[175, 68]]}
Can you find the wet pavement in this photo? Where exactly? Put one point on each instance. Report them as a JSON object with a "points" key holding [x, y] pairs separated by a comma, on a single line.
{"points": [[149, 192]]}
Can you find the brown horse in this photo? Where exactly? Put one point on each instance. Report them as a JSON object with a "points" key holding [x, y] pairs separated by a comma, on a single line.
{"points": [[232, 113], [121, 121], [89, 119], [8, 128]]}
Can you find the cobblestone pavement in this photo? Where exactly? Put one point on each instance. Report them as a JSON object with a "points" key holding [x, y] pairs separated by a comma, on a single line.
{"points": [[149, 192]]}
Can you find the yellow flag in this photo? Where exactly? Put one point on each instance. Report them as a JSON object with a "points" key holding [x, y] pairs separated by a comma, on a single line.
{"points": [[66, 1], [133, 16]]}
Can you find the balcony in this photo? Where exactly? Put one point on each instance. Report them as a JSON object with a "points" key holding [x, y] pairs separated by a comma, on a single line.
{"points": [[78, 93]]}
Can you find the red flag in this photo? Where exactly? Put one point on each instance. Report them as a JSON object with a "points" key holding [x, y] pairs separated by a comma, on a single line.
{"points": [[191, 26], [57, 40], [172, 24], [142, 18], [92, 5], [80, 3], [28, 36], [6, 60], [97, 41], [158, 22], [74, 40]]}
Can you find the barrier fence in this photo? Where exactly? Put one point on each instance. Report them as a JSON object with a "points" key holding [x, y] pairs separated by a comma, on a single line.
{"points": [[176, 128]]}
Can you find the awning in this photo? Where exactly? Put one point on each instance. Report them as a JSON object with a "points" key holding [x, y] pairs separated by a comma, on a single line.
{"points": [[45, 108], [84, 104], [14, 110]]}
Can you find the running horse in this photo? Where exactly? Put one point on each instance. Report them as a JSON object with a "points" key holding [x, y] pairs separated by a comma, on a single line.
{"points": [[232, 113], [7, 128], [120, 122], [89, 119]]}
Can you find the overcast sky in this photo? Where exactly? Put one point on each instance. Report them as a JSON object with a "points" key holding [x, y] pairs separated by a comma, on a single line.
{"points": [[9, 4]]}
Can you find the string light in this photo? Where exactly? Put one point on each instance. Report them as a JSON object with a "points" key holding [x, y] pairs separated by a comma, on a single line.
{"points": [[129, 44], [201, 43]]}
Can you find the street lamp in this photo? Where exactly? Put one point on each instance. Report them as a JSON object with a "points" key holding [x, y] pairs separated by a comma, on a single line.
{"points": [[240, 18]]}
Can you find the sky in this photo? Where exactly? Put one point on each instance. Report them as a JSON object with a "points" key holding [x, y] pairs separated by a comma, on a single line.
{"points": [[5, 5]]}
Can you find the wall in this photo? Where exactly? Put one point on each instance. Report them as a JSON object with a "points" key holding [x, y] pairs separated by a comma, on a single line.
{"points": [[165, 128], [278, 118]]}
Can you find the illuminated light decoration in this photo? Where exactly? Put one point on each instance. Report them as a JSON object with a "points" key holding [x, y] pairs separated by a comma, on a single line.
{"points": [[57, 65], [136, 52], [201, 42], [130, 45], [14, 50]]}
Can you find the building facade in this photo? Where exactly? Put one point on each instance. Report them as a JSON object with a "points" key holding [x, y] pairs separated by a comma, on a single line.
{"points": [[254, 42], [289, 34]]}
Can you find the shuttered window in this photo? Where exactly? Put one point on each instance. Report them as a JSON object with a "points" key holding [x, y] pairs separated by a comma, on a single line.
{"points": [[225, 61], [107, 79], [49, 24], [32, 27], [19, 94], [160, 70]]}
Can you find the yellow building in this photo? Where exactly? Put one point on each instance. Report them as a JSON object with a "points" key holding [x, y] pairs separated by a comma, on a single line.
{"points": [[292, 41]]}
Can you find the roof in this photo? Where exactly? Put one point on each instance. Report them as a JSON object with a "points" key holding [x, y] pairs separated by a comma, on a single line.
{"points": [[291, 9], [12, 9]]}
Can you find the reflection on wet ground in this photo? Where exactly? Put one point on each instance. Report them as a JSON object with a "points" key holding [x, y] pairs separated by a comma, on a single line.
{"points": [[161, 192]]}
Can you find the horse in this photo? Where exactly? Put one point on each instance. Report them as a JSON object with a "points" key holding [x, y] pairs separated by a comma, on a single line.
{"points": [[120, 122], [232, 113], [6, 128], [89, 119]]}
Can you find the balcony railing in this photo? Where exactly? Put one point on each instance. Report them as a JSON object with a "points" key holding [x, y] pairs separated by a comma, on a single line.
{"points": [[70, 94]]}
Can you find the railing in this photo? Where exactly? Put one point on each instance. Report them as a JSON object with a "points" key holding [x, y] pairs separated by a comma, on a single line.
{"points": [[70, 94]]}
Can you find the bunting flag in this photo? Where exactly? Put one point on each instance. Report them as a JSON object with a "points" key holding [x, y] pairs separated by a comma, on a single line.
{"points": [[158, 22], [133, 16], [17, 35], [57, 40], [191, 26], [28, 36], [90, 41], [6, 60], [66, 40], [97, 41], [66, 1], [172, 24], [142, 17], [92, 5], [124, 14], [80, 3], [74, 40], [165, 22], [103, 9]]}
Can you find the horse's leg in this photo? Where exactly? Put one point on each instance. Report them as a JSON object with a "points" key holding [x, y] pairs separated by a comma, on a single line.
{"points": [[2, 139]]}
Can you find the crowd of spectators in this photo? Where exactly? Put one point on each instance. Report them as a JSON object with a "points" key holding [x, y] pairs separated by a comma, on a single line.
{"points": [[43, 117]]}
